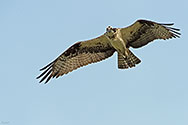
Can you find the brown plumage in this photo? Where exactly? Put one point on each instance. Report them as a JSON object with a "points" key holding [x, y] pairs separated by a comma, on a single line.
{"points": [[142, 32], [83, 53], [78, 55]]}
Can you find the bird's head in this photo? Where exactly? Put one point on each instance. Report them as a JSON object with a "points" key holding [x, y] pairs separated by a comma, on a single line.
{"points": [[110, 32]]}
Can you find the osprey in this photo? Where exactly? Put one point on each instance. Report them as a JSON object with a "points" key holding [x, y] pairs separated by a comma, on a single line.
{"points": [[113, 40]]}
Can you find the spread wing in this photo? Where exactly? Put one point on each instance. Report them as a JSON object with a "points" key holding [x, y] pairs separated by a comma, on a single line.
{"points": [[142, 32], [78, 55]]}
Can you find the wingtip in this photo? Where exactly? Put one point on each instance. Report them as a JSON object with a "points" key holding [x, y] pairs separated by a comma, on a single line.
{"points": [[49, 65], [47, 70], [40, 82], [175, 31], [167, 24], [37, 77]]}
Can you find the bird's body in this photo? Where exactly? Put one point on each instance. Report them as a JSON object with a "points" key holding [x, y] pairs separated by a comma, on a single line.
{"points": [[113, 40]]}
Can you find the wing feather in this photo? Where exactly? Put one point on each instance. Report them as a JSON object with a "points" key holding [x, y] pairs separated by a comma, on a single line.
{"points": [[78, 55], [142, 32]]}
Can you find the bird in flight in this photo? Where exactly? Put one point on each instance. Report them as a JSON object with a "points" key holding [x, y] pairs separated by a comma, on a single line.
{"points": [[113, 40]]}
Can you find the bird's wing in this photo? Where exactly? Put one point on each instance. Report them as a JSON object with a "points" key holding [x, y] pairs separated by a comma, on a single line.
{"points": [[142, 32], [78, 55]]}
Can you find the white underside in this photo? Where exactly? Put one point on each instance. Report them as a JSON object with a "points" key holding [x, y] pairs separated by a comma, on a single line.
{"points": [[119, 44]]}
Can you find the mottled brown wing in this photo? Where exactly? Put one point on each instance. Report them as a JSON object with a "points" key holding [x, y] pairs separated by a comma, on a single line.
{"points": [[142, 32], [78, 55]]}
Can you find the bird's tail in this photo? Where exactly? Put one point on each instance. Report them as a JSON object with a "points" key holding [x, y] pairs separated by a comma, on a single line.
{"points": [[129, 62]]}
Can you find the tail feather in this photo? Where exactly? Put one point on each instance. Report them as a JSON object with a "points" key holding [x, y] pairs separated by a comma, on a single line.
{"points": [[129, 62]]}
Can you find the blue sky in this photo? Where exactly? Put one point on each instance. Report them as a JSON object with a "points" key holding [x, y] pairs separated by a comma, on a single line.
{"points": [[35, 32]]}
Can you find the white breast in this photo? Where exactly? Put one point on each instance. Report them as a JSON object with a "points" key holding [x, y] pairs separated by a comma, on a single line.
{"points": [[118, 43]]}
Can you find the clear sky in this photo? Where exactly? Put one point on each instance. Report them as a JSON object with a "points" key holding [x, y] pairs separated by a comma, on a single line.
{"points": [[35, 32]]}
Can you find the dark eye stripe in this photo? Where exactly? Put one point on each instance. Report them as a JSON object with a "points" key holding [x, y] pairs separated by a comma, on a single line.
{"points": [[114, 29]]}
